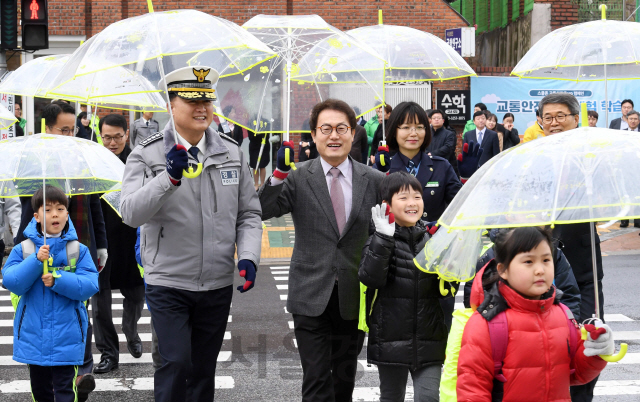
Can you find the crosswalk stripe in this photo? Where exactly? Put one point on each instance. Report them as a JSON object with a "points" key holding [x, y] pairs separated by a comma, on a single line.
{"points": [[281, 278], [617, 387], [616, 317], [282, 287], [290, 324], [373, 394], [626, 335], [629, 358], [280, 267], [111, 384], [283, 297], [124, 358]]}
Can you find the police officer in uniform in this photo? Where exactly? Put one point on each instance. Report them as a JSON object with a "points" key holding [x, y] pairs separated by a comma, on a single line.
{"points": [[190, 230]]}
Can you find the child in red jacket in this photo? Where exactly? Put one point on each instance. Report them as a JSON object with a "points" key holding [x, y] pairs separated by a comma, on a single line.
{"points": [[538, 364]]}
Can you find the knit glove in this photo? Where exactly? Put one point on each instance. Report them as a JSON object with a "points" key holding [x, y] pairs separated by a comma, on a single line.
{"points": [[177, 161], [468, 161], [284, 160], [102, 258], [599, 341], [382, 159], [248, 271], [383, 219], [432, 227]]}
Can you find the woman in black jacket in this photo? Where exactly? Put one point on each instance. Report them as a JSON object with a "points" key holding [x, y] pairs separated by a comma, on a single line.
{"points": [[407, 330], [511, 138]]}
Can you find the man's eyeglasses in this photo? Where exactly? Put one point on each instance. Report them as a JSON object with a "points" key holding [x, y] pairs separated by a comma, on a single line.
{"points": [[68, 131], [116, 138], [560, 118], [327, 129]]}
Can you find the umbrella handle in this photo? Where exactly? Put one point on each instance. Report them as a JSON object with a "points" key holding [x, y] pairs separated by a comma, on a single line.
{"points": [[191, 174], [608, 358], [287, 159], [444, 291], [46, 264]]}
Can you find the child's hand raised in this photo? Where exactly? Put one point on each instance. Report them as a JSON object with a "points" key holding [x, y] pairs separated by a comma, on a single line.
{"points": [[48, 280], [383, 219], [43, 254]]}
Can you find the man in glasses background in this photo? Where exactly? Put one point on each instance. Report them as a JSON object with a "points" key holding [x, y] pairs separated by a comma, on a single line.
{"points": [[121, 271], [86, 214], [330, 199]]}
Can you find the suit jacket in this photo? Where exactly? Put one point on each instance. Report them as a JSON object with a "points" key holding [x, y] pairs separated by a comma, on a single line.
{"points": [[321, 254], [443, 144], [615, 123], [490, 144]]}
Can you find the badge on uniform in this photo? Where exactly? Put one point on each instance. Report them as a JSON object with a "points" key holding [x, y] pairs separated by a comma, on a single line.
{"points": [[229, 177], [432, 184]]}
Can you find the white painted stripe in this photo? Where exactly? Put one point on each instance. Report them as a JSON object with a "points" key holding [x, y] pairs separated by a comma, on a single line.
{"points": [[281, 278], [626, 335], [459, 306], [281, 267], [373, 394], [290, 324], [285, 310], [617, 387], [630, 358], [616, 317], [283, 297], [111, 384], [125, 358], [282, 287]]}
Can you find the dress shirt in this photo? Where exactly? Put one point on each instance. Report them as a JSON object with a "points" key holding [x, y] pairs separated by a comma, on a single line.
{"points": [[480, 135], [202, 146], [623, 124]]}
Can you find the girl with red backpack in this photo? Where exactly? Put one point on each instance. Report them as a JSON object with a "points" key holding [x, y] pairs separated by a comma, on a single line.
{"points": [[521, 344]]}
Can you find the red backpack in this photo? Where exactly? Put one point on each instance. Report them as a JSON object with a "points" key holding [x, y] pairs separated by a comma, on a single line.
{"points": [[499, 334]]}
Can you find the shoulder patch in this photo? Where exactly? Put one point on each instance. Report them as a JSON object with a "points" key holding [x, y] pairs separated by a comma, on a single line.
{"points": [[152, 138], [226, 137]]}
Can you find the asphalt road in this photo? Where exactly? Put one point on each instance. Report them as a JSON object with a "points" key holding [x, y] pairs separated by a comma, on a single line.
{"points": [[260, 360]]}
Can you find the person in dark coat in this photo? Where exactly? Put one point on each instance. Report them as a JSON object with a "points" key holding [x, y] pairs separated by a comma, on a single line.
{"points": [[409, 134], [488, 139], [563, 277], [621, 122], [443, 141], [407, 329], [307, 149], [511, 137], [86, 214], [237, 132], [379, 135], [121, 271], [360, 145]]}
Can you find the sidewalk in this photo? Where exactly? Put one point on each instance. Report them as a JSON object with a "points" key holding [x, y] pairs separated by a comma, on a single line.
{"points": [[619, 241]]}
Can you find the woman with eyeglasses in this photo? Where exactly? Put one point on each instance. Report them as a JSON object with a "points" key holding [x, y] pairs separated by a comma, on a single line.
{"points": [[409, 135]]}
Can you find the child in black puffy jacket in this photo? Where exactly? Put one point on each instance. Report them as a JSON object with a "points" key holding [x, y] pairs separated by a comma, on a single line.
{"points": [[407, 330]]}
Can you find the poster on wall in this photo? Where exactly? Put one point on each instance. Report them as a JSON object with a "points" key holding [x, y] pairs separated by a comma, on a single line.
{"points": [[8, 101], [455, 104], [521, 96]]}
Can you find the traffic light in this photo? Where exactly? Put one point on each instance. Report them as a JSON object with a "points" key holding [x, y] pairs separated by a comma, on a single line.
{"points": [[35, 24], [9, 21]]}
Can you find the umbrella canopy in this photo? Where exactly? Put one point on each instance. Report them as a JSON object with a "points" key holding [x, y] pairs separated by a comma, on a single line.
{"points": [[7, 119], [582, 175], [76, 165], [306, 45], [413, 55], [120, 88]]}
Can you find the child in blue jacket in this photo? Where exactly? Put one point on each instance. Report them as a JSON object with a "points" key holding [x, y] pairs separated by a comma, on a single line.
{"points": [[50, 325]]}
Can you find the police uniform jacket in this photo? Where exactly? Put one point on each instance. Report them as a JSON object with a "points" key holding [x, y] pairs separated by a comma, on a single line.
{"points": [[141, 131], [191, 231], [439, 182]]}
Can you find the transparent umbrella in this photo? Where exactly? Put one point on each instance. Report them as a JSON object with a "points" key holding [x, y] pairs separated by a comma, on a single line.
{"points": [[76, 165], [582, 175], [7, 119], [600, 50], [155, 43]]}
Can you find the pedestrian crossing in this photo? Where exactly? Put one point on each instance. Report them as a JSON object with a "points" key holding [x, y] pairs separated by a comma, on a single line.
{"points": [[605, 387], [105, 383]]}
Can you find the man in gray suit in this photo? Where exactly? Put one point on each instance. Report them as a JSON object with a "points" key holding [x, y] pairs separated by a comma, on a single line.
{"points": [[330, 199], [144, 127]]}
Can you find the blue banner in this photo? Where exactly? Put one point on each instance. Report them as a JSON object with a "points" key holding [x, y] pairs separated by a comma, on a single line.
{"points": [[522, 96]]}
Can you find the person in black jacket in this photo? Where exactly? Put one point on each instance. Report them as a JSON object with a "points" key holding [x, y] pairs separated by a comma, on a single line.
{"points": [[407, 330], [443, 140], [120, 271], [512, 137], [563, 277]]}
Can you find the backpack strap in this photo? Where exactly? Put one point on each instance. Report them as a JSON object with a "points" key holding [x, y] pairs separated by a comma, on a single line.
{"points": [[28, 248], [499, 335], [573, 334], [73, 253]]}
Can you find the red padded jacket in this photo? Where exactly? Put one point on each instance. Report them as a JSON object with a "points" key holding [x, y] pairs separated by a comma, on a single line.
{"points": [[537, 365]]}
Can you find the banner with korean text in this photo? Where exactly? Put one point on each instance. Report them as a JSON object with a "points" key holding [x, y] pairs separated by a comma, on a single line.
{"points": [[521, 96]]}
